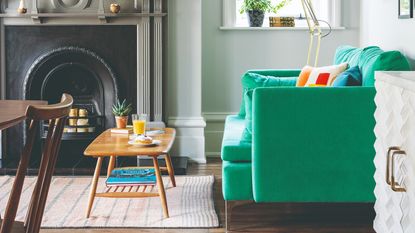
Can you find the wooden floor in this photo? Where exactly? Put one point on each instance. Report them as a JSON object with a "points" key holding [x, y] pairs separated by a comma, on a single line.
{"points": [[321, 219]]}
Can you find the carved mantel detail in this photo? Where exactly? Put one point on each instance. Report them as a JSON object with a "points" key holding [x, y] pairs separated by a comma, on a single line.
{"points": [[43, 11], [53, 6], [71, 4]]}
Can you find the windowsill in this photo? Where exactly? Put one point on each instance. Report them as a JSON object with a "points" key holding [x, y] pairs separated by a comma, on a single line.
{"points": [[276, 28]]}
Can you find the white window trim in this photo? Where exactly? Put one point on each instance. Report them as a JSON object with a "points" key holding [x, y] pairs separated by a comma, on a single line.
{"points": [[229, 14]]}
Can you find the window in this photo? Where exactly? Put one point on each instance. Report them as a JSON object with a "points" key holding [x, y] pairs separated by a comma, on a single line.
{"points": [[326, 10]]}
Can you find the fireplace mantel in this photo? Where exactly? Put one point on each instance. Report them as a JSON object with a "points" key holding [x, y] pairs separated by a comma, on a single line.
{"points": [[147, 15], [42, 11], [182, 75]]}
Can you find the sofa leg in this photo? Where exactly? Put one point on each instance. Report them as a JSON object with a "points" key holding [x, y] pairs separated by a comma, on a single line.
{"points": [[228, 215], [229, 206]]}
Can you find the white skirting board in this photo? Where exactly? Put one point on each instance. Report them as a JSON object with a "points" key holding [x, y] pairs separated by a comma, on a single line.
{"points": [[190, 138]]}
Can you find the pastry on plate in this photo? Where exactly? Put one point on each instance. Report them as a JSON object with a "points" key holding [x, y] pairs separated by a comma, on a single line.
{"points": [[144, 139]]}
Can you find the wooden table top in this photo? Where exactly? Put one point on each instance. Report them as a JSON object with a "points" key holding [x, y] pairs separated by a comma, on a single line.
{"points": [[13, 112], [112, 144]]}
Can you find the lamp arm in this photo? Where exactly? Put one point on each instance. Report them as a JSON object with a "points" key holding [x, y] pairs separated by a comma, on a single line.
{"points": [[307, 16], [314, 29], [309, 9]]}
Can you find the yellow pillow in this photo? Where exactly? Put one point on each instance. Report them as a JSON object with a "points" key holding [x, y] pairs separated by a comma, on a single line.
{"points": [[332, 71], [304, 75]]}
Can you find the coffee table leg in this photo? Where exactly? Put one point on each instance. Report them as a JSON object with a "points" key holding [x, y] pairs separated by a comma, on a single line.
{"points": [[160, 186], [94, 186], [111, 165], [170, 169]]}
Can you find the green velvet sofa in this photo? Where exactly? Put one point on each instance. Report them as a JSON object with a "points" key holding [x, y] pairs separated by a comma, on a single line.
{"points": [[308, 144]]}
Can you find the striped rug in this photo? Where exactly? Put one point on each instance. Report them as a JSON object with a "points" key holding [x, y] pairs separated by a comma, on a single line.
{"points": [[190, 205]]}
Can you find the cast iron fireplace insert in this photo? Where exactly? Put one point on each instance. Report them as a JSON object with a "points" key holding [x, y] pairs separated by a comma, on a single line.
{"points": [[95, 64], [83, 74]]}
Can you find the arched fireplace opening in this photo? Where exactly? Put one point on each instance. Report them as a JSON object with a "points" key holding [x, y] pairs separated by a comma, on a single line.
{"points": [[91, 82]]}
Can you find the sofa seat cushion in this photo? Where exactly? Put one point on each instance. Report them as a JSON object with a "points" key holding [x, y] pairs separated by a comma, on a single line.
{"points": [[237, 181], [233, 147]]}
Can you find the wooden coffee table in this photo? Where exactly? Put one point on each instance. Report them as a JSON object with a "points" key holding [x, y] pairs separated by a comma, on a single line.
{"points": [[112, 145]]}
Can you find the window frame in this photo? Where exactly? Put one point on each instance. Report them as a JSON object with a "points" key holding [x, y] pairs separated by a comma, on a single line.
{"points": [[229, 14]]}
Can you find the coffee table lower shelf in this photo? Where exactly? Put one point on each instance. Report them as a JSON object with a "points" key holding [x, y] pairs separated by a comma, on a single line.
{"points": [[132, 191]]}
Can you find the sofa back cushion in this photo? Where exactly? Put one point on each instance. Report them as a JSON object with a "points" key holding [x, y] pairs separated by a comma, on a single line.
{"points": [[374, 59], [371, 59], [347, 54], [250, 81]]}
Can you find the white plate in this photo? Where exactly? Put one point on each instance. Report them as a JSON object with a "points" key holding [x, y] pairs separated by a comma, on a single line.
{"points": [[155, 132], [155, 143]]}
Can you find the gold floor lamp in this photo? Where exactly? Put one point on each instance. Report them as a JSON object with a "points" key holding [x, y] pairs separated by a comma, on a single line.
{"points": [[314, 30]]}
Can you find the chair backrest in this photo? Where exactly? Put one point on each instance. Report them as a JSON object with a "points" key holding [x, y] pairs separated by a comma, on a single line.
{"points": [[56, 115]]}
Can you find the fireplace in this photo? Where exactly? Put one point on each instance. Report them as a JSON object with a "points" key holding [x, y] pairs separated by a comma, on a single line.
{"points": [[94, 55], [59, 62], [83, 74]]}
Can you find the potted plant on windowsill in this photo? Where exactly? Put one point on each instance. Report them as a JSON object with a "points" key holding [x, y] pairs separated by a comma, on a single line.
{"points": [[121, 111], [256, 10]]}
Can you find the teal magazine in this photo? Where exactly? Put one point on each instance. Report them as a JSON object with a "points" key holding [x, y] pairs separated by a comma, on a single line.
{"points": [[131, 177]]}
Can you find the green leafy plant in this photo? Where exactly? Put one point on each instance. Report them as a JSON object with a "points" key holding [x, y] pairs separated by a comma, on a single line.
{"points": [[256, 5], [280, 5], [262, 5], [121, 108]]}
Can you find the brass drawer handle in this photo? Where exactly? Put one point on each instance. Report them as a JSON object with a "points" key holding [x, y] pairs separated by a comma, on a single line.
{"points": [[388, 159], [395, 186]]}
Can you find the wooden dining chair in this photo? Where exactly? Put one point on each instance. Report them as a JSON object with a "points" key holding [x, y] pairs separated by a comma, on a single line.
{"points": [[56, 115]]}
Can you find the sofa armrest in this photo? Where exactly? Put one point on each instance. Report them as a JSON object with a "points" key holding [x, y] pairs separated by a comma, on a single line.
{"points": [[313, 144], [277, 73]]}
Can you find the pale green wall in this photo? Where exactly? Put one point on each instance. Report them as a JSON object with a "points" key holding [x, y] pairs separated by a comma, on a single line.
{"points": [[226, 55], [381, 26]]}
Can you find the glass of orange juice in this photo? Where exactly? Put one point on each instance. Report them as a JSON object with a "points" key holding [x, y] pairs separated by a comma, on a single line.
{"points": [[139, 124]]}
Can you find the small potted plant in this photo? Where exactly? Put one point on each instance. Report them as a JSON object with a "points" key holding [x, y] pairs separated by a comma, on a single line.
{"points": [[121, 111], [256, 10]]}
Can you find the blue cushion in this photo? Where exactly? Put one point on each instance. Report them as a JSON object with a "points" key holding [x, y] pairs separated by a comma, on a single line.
{"points": [[350, 77]]}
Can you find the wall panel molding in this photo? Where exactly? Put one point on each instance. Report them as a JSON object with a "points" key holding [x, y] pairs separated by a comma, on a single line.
{"points": [[215, 123]]}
